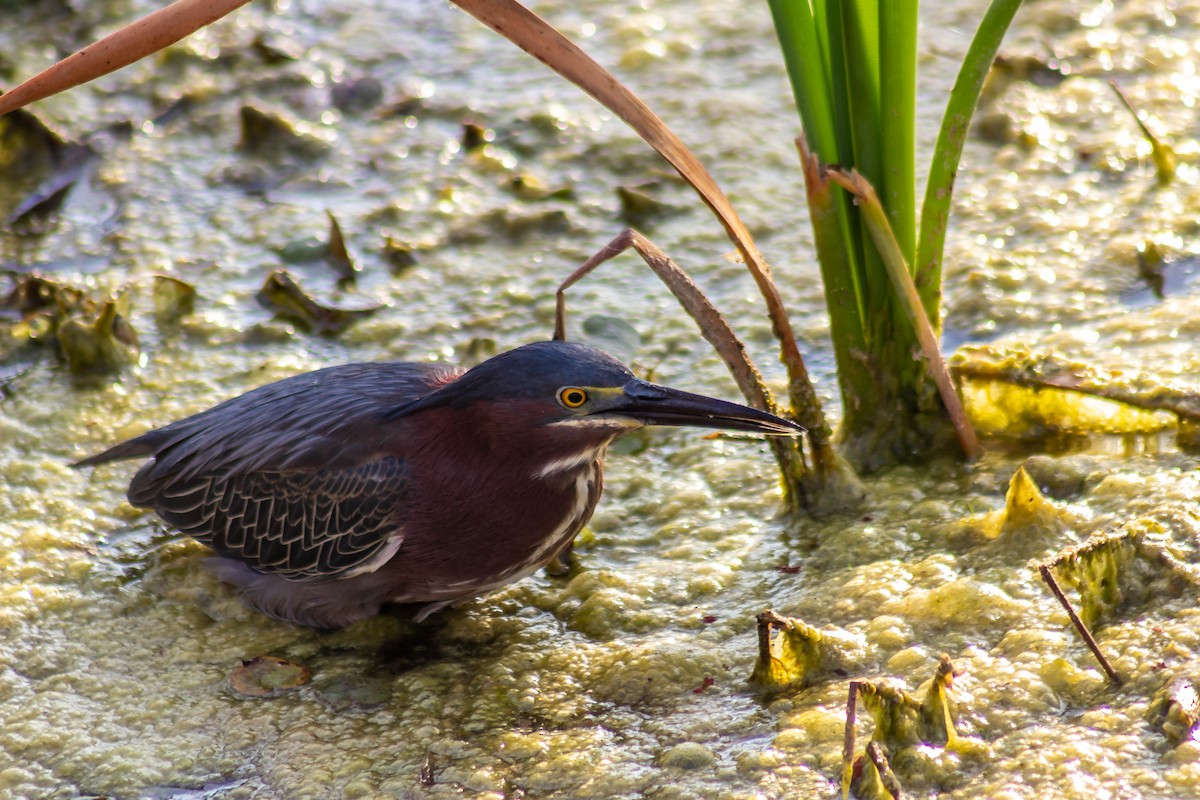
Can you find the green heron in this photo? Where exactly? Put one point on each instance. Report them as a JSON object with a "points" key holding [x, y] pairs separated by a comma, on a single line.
{"points": [[330, 494]]}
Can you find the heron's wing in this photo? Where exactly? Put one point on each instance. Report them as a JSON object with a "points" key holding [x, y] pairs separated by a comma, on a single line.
{"points": [[302, 525], [300, 478], [329, 417]]}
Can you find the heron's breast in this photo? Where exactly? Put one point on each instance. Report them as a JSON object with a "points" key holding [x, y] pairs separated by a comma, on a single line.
{"points": [[476, 544]]}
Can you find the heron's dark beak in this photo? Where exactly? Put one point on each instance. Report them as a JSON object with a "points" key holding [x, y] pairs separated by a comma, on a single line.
{"points": [[652, 404]]}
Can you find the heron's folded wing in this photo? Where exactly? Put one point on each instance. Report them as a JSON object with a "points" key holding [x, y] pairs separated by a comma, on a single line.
{"points": [[301, 478], [301, 525]]}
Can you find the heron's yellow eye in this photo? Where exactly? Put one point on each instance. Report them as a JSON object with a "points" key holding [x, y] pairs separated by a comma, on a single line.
{"points": [[572, 396]]}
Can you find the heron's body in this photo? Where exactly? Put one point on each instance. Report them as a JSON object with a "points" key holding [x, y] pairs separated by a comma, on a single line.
{"points": [[330, 494]]}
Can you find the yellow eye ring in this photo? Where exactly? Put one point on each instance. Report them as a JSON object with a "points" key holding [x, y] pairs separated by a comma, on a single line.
{"points": [[572, 396]]}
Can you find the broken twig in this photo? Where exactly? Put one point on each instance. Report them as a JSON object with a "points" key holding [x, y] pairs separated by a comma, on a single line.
{"points": [[1088, 639]]}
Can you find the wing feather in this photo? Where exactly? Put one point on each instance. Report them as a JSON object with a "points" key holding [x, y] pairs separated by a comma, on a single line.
{"points": [[297, 479]]}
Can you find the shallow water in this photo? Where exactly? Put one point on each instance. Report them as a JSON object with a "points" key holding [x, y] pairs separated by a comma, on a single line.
{"points": [[118, 645]]}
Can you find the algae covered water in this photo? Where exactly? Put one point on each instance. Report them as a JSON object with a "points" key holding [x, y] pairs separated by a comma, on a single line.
{"points": [[467, 181]]}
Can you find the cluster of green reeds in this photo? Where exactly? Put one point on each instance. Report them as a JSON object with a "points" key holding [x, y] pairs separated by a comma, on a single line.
{"points": [[853, 70]]}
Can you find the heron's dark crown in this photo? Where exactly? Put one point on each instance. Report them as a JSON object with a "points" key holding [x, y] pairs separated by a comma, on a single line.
{"points": [[533, 371]]}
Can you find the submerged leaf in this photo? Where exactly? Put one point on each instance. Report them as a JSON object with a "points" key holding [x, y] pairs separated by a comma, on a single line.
{"points": [[27, 146], [264, 676], [475, 351], [1007, 70], [173, 298], [640, 209], [29, 149], [33, 293], [273, 137], [282, 294], [530, 187], [613, 335], [475, 136], [400, 255], [357, 94], [343, 694], [510, 223], [336, 254]]}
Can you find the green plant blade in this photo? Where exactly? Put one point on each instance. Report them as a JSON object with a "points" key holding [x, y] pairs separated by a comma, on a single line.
{"points": [[842, 295], [876, 223], [897, 113], [935, 210], [806, 57]]}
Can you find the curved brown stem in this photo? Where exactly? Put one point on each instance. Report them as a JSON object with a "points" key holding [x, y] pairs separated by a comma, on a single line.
{"points": [[715, 329], [135, 41], [541, 40]]}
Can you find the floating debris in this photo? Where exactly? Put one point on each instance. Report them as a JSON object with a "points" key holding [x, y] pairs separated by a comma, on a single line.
{"points": [[267, 676], [336, 255], [94, 337], [282, 294], [1162, 153], [173, 298], [101, 345], [271, 136], [475, 351], [532, 188], [356, 95], [32, 293], [28, 148], [1027, 517], [274, 48], [400, 255], [792, 655], [1007, 70], [475, 136], [640, 209], [1016, 393], [1175, 710], [904, 725]]}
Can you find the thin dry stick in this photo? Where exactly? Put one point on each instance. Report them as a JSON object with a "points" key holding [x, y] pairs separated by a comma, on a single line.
{"points": [[906, 290], [768, 620], [1044, 569], [135, 41], [884, 768], [848, 742], [713, 326]]}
